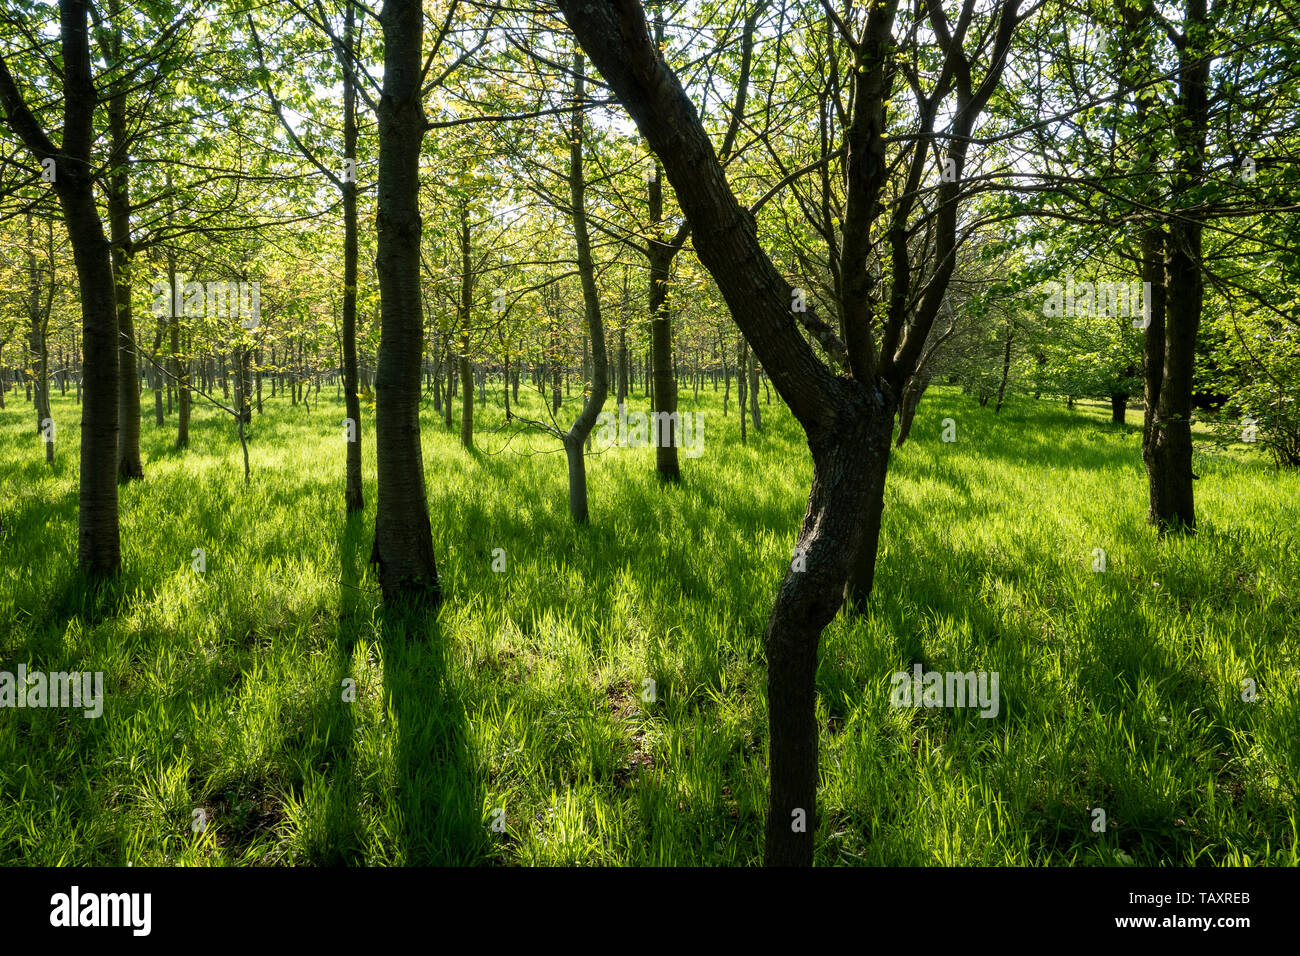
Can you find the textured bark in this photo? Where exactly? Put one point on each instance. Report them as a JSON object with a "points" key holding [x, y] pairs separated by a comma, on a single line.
{"points": [[1167, 450], [403, 548], [98, 543]]}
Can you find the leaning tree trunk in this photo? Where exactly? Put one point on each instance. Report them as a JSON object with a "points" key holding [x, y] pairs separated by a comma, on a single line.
{"points": [[403, 547], [916, 386], [846, 420], [807, 601]]}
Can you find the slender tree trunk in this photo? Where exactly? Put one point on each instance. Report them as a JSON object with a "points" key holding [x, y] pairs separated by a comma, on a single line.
{"points": [[180, 367], [661, 338], [452, 372], [1006, 368], [742, 382], [129, 465], [353, 499], [580, 431], [464, 313]]}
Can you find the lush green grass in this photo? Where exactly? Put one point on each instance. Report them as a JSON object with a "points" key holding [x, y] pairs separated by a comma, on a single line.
{"points": [[1119, 690]]}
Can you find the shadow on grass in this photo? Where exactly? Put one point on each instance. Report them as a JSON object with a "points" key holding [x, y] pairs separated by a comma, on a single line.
{"points": [[340, 842], [439, 790]]}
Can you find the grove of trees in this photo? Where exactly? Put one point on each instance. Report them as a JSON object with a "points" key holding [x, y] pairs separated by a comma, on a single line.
{"points": [[836, 204]]}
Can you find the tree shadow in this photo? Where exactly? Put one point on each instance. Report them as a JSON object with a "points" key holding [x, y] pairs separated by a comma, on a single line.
{"points": [[439, 789], [342, 832]]}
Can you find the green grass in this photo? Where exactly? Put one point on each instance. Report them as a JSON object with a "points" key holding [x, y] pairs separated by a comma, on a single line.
{"points": [[223, 690]]}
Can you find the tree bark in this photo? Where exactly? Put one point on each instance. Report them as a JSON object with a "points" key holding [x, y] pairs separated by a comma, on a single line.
{"points": [[98, 542], [403, 547]]}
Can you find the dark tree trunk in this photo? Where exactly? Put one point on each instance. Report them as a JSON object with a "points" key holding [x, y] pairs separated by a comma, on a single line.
{"points": [[464, 310], [450, 395], [38, 324], [403, 547], [353, 499], [848, 421], [129, 465], [180, 366], [742, 382], [579, 432], [661, 338], [98, 543], [916, 386], [1170, 347], [1118, 407], [1006, 368]]}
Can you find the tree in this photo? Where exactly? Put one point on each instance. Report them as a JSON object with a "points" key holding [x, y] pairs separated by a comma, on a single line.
{"points": [[98, 543], [848, 421], [403, 547]]}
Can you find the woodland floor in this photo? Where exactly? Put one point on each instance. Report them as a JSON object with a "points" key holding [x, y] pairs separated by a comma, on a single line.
{"points": [[1120, 690]]}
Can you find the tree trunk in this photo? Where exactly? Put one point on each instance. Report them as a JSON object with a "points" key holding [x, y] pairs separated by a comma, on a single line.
{"points": [[578, 434], [1118, 407], [661, 339], [129, 466], [1006, 368], [38, 324], [403, 546], [98, 543], [180, 368], [742, 382], [916, 386], [353, 499]]}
